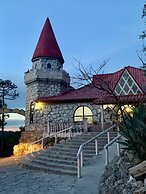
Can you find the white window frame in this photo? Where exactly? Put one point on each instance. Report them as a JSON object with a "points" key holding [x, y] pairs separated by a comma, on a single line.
{"points": [[126, 82]]}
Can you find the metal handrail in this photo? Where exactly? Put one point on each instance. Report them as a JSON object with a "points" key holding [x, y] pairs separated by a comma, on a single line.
{"points": [[80, 150], [109, 144], [52, 135]]}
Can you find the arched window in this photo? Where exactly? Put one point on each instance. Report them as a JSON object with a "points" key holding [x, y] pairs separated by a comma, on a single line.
{"points": [[32, 107], [81, 113]]}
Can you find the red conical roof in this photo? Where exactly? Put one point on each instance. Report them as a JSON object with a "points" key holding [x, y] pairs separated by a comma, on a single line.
{"points": [[47, 45]]}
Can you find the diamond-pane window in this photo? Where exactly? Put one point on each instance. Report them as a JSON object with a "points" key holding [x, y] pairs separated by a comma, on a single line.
{"points": [[122, 82], [138, 91], [130, 81], [118, 89], [130, 91], [122, 93], [127, 85], [125, 75], [134, 88], [126, 89]]}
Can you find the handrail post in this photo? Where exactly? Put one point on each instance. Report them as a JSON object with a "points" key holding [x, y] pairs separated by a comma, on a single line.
{"points": [[106, 155], [42, 143], [78, 167], [118, 149], [118, 128], [70, 134], [56, 139], [102, 118], [82, 159], [96, 147], [108, 136]]}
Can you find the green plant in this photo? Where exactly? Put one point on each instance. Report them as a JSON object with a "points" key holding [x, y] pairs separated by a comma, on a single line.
{"points": [[133, 129]]}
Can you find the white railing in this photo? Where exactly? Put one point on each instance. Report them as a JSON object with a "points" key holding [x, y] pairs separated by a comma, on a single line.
{"points": [[80, 159], [109, 144], [65, 133], [54, 127]]}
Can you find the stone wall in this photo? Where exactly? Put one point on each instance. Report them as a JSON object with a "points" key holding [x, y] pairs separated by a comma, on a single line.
{"points": [[61, 112], [46, 78], [30, 136]]}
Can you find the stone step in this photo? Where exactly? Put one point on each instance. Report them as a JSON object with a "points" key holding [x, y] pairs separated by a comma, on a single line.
{"points": [[62, 157], [57, 160], [77, 144], [90, 134], [66, 154], [26, 163], [76, 147], [84, 140], [51, 164], [74, 151]]}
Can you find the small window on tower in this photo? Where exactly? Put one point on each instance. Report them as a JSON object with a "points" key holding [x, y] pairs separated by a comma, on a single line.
{"points": [[31, 112], [48, 66]]}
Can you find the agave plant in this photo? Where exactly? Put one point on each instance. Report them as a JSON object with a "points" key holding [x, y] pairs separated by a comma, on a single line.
{"points": [[133, 129]]}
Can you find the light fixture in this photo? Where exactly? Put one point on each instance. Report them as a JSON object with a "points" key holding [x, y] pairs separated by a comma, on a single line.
{"points": [[39, 106]]}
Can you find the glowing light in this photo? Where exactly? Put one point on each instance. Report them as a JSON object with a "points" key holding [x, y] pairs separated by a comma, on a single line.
{"points": [[39, 105], [25, 148], [129, 109]]}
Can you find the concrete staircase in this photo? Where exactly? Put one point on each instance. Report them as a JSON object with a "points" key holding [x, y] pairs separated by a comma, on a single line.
{"points": [[61, 158]]}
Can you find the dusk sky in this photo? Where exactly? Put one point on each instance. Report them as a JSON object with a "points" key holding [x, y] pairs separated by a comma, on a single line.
{"points": [[90, 31]]}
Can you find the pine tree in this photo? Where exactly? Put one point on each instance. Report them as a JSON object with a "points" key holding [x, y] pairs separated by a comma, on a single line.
{"points": [[7, 92]]}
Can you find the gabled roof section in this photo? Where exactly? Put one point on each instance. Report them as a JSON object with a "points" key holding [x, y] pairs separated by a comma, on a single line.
{"points": [[110, 79], [92, 93], [47, 45], [139, 77], [132, 81]]}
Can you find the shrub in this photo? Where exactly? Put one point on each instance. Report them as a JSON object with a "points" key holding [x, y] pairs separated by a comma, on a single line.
{"points": [[133, 128]]}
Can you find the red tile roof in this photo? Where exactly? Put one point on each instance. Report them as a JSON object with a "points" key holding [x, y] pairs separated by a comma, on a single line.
{"points": [[92, 93], [47, 45]]}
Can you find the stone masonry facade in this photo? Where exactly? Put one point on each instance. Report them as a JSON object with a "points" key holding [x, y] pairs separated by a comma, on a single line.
{"points": [[61, 112], [46, 78]]}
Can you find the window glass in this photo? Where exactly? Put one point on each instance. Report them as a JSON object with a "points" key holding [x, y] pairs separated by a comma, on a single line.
{"points": [[125, 75], [87, 111], [77, 119], [81, 113], [122, 82], [32, 106]]}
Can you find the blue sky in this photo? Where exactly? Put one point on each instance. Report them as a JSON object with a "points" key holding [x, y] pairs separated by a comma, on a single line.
{"points": [[90, 31]]}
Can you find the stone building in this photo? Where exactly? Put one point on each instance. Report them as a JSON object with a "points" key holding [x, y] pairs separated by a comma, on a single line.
{"points": [[50, 97]]}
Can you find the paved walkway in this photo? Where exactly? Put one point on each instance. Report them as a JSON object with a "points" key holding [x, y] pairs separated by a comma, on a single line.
{"points": [[16, 180]]}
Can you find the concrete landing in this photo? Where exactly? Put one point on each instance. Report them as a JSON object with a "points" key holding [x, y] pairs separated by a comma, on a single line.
{"points": [[16, 180]]}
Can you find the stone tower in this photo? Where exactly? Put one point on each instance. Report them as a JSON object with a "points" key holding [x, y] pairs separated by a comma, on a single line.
{"points": [[47, 77]]}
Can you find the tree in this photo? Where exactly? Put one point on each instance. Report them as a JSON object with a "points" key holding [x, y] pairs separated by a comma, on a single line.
{"points": [[94, 79], [142, 56], [7, 92]]}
